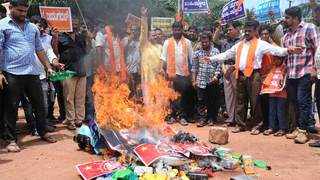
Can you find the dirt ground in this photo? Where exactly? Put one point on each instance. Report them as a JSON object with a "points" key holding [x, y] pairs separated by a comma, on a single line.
{"points": [[42, 161]]}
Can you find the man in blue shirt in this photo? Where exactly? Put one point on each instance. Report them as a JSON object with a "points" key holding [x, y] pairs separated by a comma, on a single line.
{"points": [[19, 45]]}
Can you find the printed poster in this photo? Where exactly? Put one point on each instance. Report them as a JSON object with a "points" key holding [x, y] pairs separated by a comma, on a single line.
{"points": [[58, 17]]}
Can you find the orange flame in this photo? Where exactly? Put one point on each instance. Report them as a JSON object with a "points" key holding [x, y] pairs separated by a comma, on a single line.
{"points": [[114, 109]]}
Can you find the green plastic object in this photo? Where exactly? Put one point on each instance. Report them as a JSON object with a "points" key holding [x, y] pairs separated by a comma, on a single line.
{"points": [[62, 75], [125, 174], [236, 156], [261, 164]]}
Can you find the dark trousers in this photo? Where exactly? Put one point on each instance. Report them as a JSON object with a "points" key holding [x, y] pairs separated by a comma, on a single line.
{"points": [[299, 94], [248, 90], [17, 84], [59, 92], [180, 107], [265, 110], [1, 115], [277, 119], [28, 112], [89, 106], [208, 102]]}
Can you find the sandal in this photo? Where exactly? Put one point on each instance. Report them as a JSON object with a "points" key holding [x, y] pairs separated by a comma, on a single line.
{"points": [[268, 132], [280, 133], [48, 138], [255, 132], [13, 147]]}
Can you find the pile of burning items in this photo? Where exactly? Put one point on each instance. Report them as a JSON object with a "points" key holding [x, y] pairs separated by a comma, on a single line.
{"points": [[136, 143], [152, 154]]}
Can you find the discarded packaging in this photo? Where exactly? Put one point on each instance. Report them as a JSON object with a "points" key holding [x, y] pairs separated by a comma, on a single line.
{"points": [[197, 176], [229, 164], [140, 170], [248, 165], [126, 174], [261, 164]]}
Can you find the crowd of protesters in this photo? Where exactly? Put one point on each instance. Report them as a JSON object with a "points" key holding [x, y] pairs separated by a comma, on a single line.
{"points": [[221, 73]]}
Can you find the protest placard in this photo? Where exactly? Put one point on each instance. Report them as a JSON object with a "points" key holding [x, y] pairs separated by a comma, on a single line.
{"points": [[267, 8], [58, 17], [133, 20], [233, 10], [195, 6], [163, 23]]}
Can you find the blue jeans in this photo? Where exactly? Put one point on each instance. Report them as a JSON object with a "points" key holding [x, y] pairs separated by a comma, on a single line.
{"points": [[299, 94], [89, 106], [277, 119]]}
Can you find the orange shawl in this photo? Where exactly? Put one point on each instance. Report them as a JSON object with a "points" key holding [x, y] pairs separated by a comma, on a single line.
{"points": [[250, 59], [112, 59], [171, 63]]}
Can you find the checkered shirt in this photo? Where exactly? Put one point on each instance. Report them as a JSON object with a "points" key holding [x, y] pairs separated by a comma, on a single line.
{"points": [[306, 36], [205, 71]]}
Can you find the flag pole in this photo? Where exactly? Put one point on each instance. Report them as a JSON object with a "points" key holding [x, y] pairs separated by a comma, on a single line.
{"points": [[81, 14]]}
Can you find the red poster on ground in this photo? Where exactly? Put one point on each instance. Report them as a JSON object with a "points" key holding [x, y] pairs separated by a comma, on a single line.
{"points": [[148, 153], [95, 169]]}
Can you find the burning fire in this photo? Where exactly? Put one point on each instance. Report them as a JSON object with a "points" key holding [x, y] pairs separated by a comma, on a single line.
{"points": [[115, 110]]}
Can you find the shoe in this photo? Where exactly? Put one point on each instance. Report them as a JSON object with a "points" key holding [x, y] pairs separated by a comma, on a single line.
{"points": [[293, 135], [71, 127], [202, 123], [13, 147], [183, 122], [315, 144], [268, 132], [238, 129], [280, 133], [211, 123], [302, 137], [191, 120], [255, 132], [225, 115], [48, 138], [171, 120]]}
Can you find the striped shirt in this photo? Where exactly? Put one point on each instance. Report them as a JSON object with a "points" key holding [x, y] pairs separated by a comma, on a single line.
{"points": [[304, 36], [18, 47]]}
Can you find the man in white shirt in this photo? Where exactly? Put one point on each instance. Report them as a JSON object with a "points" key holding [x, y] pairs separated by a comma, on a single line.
{"points": [[177, 58], [248, 54], [46, 41]]}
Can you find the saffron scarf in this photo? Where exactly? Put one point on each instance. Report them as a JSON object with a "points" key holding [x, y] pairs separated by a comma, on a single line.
{"points": [[250, 58], [171, 63]]}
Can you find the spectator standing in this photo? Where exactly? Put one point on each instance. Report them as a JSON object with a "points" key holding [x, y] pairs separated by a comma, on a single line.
{"points": [[19, 41], [300, 68], [206, 78], [176, 56], [72, 49]]}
